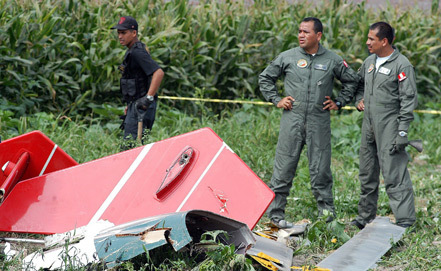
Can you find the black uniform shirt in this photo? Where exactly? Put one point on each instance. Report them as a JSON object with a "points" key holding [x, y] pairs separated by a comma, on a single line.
{"points": [[139, 65], [140, 60]]}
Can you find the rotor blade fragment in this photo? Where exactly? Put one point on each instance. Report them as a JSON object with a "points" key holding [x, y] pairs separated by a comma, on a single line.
{"points": [[363, 250]]}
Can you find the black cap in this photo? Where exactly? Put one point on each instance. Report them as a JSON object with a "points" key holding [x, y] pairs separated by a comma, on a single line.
{"points": [[125, 23]]}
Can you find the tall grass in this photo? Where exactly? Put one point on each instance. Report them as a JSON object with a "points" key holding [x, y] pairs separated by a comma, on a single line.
{"points": [[61, 56], [252, 133]]}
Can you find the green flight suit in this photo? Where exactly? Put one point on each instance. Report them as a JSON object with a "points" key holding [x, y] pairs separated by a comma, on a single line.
{"points": [[390, 96], [308, 79]]}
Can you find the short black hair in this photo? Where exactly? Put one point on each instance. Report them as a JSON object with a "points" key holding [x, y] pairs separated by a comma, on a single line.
{"points": [[384, 31], [318, 26]]}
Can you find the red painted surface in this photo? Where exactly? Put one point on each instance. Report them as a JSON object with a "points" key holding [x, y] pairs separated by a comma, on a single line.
{"points": [[215, 179], [38, 148], [14, 172]]}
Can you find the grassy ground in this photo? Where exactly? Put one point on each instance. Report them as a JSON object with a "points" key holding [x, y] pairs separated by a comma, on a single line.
{"points": [[252, 133]]}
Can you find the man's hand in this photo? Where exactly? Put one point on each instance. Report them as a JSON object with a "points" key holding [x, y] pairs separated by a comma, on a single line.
{"points": [[142, 103], [286, 103], [400, 143], [360, 105], [330, 104]]}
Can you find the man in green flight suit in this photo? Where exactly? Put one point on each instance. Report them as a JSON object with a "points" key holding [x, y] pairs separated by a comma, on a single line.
{"points": [[390, 96], [309, 71]]}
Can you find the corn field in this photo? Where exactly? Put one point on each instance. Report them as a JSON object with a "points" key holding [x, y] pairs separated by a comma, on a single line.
{"points": [[60, 56]]}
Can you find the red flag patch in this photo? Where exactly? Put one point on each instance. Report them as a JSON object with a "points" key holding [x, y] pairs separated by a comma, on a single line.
{"points": [[346, 64], [401, 76]]}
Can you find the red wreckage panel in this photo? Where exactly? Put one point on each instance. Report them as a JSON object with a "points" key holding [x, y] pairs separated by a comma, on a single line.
{"points": [[196, 170], [27, 156]]}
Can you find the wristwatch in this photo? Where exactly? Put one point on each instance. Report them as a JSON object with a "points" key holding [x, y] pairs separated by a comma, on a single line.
{"points": [[150, 98], [402, 133], [338, 104]]}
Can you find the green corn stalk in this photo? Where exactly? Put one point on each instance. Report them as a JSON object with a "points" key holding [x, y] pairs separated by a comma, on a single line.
{"points": [[54, 54]]}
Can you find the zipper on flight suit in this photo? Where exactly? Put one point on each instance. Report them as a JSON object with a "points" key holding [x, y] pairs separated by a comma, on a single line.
{"points": [[374, 76], [311, 58], [371, 91]]}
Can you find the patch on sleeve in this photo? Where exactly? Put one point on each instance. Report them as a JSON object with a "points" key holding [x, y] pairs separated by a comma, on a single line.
{"points": [[401, 76], [346, 64]]}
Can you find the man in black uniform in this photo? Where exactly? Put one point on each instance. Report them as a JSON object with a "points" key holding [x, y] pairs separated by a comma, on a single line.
{"points": [[141, 77]]}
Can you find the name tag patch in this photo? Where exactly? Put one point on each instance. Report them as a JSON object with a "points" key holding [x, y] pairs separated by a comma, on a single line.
{"points": [[384, 70], [320, 67]]}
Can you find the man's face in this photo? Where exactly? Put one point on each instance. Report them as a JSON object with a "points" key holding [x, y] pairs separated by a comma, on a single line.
{"points": [[374, 44], [308, 39], [126, 37]]}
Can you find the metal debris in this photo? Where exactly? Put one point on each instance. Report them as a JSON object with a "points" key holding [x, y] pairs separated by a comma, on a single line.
{"points": [[285, 235], [76, 244], [22, 240], [271, 254], [8, 252], [363, 250], [123, 242]]}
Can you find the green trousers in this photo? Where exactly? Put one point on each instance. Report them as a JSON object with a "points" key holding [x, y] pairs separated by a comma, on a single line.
{"points": [[378, 135], [296, 132]]}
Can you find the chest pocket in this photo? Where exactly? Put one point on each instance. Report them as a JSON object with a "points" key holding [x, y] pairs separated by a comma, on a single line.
{"points": [[387, 87], [323, 79], [298, 70], [321, 73]]}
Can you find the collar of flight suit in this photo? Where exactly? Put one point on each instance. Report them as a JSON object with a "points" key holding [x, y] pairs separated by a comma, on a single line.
{"points": [[393, 56], [379, 80], [321, 50]]}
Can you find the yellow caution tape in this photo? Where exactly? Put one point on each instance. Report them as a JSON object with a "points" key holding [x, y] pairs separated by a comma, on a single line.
{"points": [[349, 108], [215, 100], [433, 112]]}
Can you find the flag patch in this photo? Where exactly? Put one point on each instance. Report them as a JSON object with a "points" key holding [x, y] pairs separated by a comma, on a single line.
{"points": [[346, 64], [401, 76]]}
